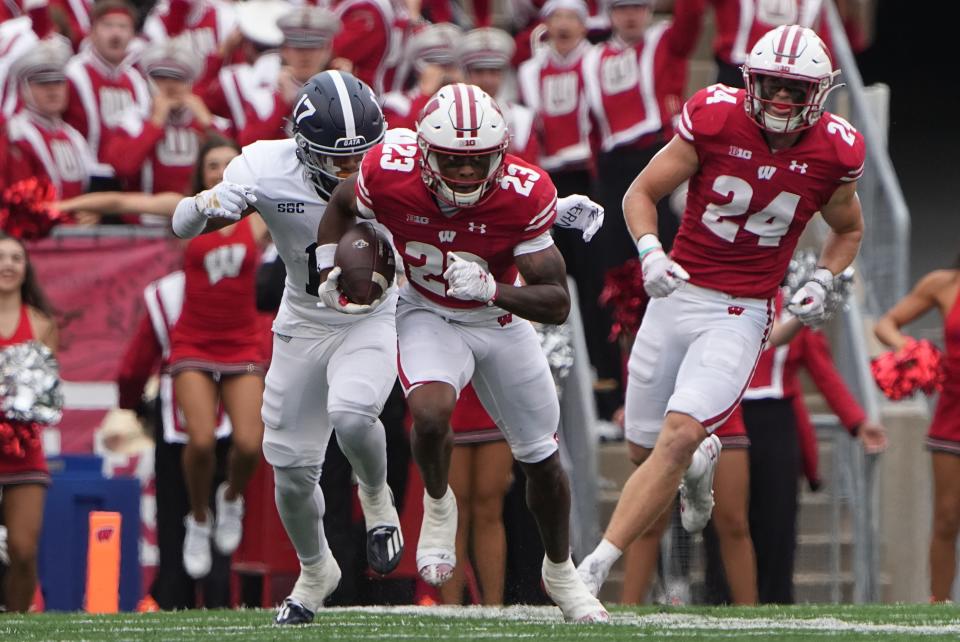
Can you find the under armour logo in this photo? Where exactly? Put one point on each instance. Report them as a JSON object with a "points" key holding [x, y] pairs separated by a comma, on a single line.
{"points": [[447, 236], [798, 167], [473, 227], [735, 310]]}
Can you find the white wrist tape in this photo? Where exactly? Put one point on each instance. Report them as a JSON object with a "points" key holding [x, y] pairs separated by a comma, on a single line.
{"points": [[324, 254], [648, 243], [187, 221]]}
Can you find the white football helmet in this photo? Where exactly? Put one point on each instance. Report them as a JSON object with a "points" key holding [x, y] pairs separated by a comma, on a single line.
{"points": [[458, 121], [793, 53]]}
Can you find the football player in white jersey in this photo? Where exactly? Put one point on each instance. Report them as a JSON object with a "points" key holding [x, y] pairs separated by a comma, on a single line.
{"points": [[330, 370]]}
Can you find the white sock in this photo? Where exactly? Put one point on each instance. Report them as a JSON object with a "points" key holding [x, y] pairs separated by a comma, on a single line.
{"points": [[605, 555], [443, 503], [554, 569]]}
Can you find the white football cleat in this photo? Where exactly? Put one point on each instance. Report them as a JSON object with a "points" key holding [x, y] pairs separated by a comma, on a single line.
{"points": [[564, 586], [197, 558], [384, 538], [437, 548], [228, 529], [696, 494]]}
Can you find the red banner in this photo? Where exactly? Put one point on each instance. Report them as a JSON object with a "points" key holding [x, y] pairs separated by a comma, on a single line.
{"points": [[96, 285]]}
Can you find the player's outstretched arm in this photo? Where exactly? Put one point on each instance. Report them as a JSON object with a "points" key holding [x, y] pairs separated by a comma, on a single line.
{"points": [[544, 297], [212, 209]]}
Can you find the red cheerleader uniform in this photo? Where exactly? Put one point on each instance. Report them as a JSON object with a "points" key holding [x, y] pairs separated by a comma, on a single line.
{"points": [[944, 433], [470, 422], [31, 466], [219, 328]]}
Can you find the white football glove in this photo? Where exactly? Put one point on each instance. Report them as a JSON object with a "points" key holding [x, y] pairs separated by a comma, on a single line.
{"points": [[331, 296], [226, 200], [661, 274], [468, 280], [580, 213], [809, 302]]}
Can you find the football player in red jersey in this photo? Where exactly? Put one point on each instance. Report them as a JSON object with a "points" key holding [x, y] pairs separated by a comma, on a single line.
{"points": [[761, 162], [469, 221]]}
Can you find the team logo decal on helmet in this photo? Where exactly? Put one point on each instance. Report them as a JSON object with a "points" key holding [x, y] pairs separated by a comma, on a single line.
{"points": [[795, 58], [462, 121], [336, 119]]}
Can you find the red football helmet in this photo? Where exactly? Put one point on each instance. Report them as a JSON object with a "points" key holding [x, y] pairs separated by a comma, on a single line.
{"points": [[461, 121]]}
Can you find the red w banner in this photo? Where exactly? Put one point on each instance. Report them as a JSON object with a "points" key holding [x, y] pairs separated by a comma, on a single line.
{"points": [[96, 284]]}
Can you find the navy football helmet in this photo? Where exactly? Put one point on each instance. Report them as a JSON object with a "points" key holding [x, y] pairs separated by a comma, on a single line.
{"points": [[336, 119]]}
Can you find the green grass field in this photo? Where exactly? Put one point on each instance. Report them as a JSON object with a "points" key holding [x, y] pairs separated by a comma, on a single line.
{"points": [[389, 624]]}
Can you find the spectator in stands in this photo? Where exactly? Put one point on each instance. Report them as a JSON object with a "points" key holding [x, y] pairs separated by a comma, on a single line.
{"points": [[634, 84], [206, 26], [372, 40], [40, 143], [307, 35], [775, 466], [739, 24], [247, 86], [480, 475], [431, 54], [103, 83], [25, 315], [72, 19], [159, 153], [485, 56], [939, 290]]}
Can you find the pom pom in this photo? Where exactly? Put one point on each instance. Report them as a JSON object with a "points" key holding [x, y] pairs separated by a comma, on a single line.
{"points": [[29, 384], [623, 292], [556, 341], [915, 367], [25, 210], [801, 269]]}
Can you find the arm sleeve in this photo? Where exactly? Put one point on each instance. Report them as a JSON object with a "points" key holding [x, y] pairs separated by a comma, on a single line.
{"points": [[365, 176], [544, 206], [819, 362], [807, 438], [139, 362], [270, 279]]}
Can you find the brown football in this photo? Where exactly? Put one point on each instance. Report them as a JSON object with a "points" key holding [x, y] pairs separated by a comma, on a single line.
{"points": [[367, 264]]}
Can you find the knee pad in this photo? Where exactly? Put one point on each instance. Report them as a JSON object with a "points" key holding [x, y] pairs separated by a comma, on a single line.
{"points": [[347, 424], [296, 482]]}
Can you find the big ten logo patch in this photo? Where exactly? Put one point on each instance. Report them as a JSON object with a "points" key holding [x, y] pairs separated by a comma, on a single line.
{"points": [[224, 261], [178, 147], [560, 93], [113, 102], [619, 73], [67, 159]]}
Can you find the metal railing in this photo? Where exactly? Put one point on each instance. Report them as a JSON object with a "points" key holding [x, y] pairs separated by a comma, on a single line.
{"points": [[884, 258]]}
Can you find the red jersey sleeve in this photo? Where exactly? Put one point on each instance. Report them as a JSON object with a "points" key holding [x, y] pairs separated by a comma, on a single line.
{"points": [[706, 112], [849, 148], [819, 362], [367, 179], [542, 199]]}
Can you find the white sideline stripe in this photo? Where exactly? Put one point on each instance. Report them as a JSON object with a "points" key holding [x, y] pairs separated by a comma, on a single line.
{"points": [[345, 106], [90, 395]]}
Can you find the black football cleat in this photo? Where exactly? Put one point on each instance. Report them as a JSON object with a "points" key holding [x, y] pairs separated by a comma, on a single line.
{"points": [[384, 548], [292, 611]]}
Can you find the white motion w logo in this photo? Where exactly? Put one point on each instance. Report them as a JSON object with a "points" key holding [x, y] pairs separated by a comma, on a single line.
{"points": [[224, 261], [304, 109]]}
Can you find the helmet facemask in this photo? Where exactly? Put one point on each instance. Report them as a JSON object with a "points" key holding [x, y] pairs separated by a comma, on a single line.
{"points": [[805, 101], [323, 168], [459, 192]]}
